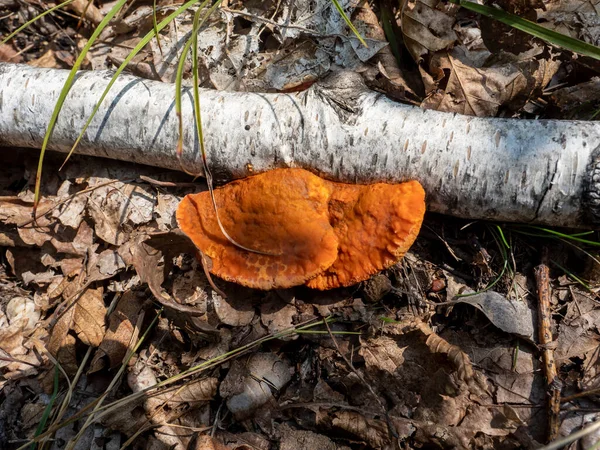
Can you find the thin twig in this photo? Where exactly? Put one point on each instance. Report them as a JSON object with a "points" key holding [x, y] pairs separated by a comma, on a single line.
{"points": [[542, 278]]}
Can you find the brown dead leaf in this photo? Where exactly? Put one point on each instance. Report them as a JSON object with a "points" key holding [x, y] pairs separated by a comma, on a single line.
{"points": [[233, 311], [89, 317], [277, 314], [149, 263], [578, 332], [173, 405], [575, 18], [513, 375], [384, 353], [384, 73], [440, 436], [38, 233], [191, 288], [48, 60], [9, 54], [426, 28], [303, 440], [85, 316], [200, 390], [70, 213], [79, 245], [121, 325], [489, 421], [469, 90], [11, 344], [205, 442], [152, 258], [26, 263], [372, 431], [166, 207], [31, 415], [104, 265], [65, 352], [247, 441], [88, 10], [591, 370], [573, 97], [117, 207]]}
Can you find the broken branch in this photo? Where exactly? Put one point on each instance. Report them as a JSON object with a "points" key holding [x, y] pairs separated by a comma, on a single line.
{"points": [[538, 171]]}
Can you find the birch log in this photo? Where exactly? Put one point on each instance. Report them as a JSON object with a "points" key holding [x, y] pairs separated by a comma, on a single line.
{"points": [[534, 171]]}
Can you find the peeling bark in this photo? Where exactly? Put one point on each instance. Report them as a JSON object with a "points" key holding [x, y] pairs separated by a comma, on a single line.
{"points": [[539, 171]]}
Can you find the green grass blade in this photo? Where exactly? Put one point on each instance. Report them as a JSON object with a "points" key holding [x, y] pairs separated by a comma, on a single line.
{"points": [[570, 237], [387, 17], [572, 275], [337, 5], [155, 26], [178, 90], [64, 92], [532, 28], [147, 38], [48, 409], [39, 16], [502, 238]]}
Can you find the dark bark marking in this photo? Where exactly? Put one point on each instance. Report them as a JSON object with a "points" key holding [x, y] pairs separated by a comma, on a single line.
{"points": [[591, 188], [547, 187]]}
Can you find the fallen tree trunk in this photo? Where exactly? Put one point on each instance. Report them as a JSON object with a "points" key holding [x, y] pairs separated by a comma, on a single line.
{"points": [[538, 171]]}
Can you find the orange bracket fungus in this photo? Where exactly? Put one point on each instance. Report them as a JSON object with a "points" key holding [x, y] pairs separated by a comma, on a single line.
{"points": [[304, 229]]}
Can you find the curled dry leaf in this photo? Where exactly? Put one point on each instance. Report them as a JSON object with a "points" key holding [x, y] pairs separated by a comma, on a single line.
{"points": [[16, 359], [372, 431], [471, 90], [307, 230], [460, 359], [9, 54], [250, 382], [200, 390], [22, 312]]}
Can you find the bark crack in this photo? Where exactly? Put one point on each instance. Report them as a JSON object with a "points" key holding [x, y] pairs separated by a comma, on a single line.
{"points": [[547, 188]]}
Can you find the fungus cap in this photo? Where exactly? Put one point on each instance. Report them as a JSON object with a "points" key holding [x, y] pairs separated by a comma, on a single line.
{"points": [[375, 225], [281, 212], [317, 232]]}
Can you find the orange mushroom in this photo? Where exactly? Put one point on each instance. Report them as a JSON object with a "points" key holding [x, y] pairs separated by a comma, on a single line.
{"points": [[375, 225], [307, 230]]}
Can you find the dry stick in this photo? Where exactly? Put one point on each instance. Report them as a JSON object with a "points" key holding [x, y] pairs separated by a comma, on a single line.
{"points": [[542, 278], [542, 171]]}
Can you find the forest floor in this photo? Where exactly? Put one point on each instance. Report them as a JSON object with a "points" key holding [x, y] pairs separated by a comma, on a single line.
{"points": [[91, 357]]}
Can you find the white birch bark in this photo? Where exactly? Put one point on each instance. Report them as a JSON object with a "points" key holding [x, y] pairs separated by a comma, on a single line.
{"points": [[538, 171]]}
